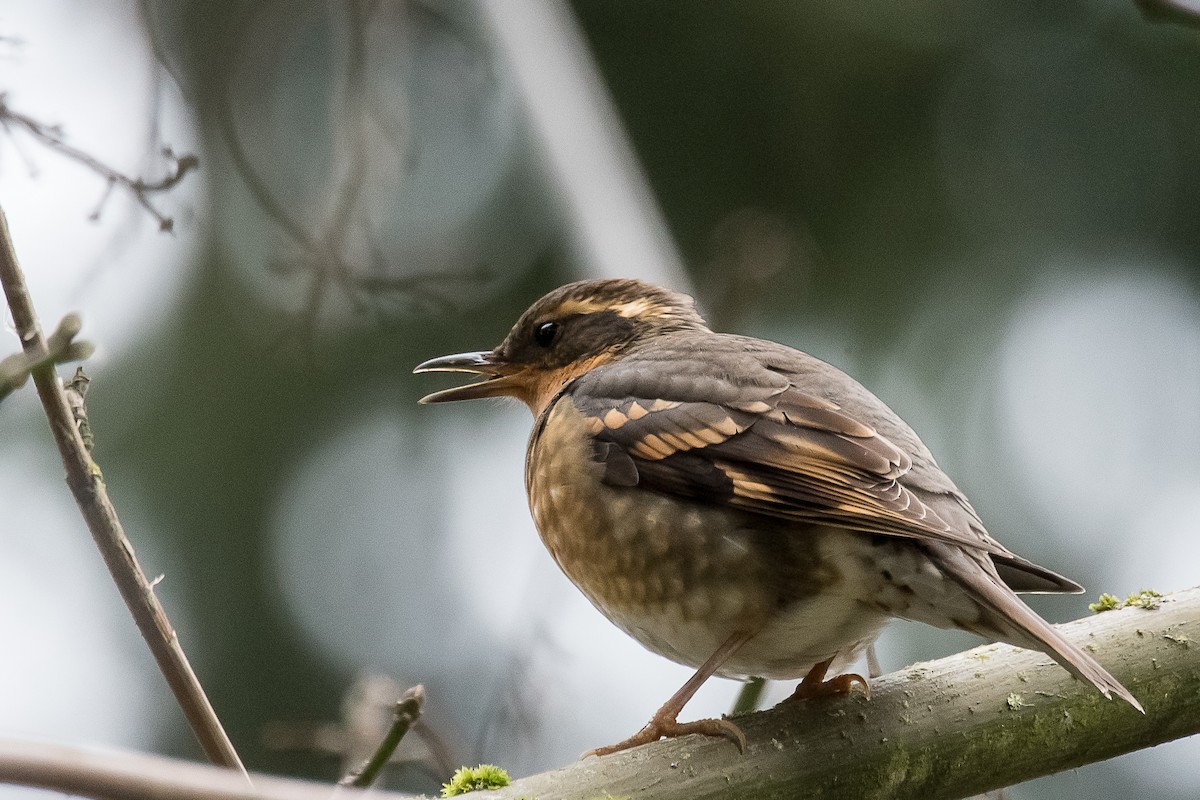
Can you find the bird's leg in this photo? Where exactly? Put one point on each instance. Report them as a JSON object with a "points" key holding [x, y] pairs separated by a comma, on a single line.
{"points": [[664, 725], [815, 685], [873, 668]]}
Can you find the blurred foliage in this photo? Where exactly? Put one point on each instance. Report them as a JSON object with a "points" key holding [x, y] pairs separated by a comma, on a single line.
{"points": [[910, 138]]}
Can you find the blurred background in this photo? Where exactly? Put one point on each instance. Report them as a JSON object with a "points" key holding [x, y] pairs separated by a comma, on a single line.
{"points": [[985, 212]]}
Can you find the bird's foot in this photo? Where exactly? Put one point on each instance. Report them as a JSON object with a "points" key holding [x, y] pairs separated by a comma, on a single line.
{"points": [[666, 728], [815, 685]]}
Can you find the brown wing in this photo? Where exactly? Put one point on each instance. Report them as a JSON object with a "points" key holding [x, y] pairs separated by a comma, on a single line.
{"points": [[770, 449]]}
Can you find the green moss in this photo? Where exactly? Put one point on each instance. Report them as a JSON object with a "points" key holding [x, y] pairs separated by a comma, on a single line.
{"points": [[1146, 598], [1107, 602], [909, 769], [485, 776]]}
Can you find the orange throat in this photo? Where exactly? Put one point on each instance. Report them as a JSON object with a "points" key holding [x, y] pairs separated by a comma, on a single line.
{"points": [[536, 388]]}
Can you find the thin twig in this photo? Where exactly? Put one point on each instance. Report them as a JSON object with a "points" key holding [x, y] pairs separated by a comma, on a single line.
{"points": [[368, 708], [408, 711], [141, 189], [87, 484]]}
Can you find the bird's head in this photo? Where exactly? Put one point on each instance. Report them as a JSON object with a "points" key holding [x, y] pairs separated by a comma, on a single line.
{"points": [[570, 331]]}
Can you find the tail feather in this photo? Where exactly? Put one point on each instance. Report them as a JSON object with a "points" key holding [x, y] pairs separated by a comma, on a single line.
{"points": [[1025, 576], [1008, 618]]}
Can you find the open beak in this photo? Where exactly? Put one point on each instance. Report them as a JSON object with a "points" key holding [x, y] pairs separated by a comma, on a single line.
{"points": [[498, 376]]}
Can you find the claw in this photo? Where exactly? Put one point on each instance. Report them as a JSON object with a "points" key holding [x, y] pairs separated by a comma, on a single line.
{"points": [[841, 684], [815, 685], [661, 728], [665, 724]]}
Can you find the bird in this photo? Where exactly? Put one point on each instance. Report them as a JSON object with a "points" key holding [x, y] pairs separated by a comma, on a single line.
{"points": [[739, 506]]}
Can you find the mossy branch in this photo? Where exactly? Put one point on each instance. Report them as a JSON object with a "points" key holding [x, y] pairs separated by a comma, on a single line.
{"points": [[986, 718], [991, 717]]}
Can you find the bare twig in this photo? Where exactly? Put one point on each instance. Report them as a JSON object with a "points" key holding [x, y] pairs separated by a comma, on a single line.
{"points": [[61, 347], [141, 189], [87, 484], [408, 711], [944, 729], [368, 710]]}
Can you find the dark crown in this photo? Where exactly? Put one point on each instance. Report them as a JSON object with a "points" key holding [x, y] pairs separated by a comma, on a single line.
{"points": [[625, 297]]}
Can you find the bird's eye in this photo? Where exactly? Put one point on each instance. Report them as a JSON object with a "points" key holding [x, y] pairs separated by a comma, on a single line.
{"points": [[545, 333]]}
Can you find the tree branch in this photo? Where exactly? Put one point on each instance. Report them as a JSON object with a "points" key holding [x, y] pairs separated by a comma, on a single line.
{"points": [[117, 775], [991, 717], [87, 484], [986, 718]]}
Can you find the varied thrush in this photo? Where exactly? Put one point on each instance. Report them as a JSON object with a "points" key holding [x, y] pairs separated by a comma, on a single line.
{"points": [[739, 506]]}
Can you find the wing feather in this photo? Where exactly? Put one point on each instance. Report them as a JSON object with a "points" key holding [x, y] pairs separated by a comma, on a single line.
{"points": [[779, 451]]}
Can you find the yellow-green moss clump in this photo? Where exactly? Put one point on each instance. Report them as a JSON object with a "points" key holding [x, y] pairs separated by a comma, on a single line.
{"points": [[1147, 599], [1107, 602], [485, 776]]}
